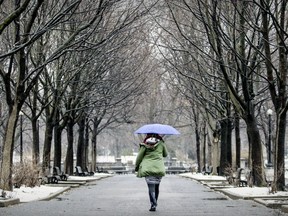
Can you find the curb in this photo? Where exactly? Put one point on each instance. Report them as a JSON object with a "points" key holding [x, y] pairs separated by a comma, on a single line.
{"points": [[275, 203], [13, 201], [54, 194], [231, 195]]}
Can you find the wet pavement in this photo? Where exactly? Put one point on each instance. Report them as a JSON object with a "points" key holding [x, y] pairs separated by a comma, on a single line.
{"points": [[124, 195]]}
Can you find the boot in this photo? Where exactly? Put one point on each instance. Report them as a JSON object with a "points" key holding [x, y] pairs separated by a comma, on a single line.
{"points": [[153, 208], [153, 201]]}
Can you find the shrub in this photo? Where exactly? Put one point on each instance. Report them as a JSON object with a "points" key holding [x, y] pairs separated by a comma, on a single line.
{"points": [[26, 174]]}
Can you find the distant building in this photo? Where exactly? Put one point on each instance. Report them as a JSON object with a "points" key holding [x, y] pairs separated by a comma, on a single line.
{"points": [[112, 159]]}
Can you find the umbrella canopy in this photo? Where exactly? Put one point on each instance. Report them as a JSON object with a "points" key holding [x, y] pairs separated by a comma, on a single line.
{"points": [[157, 129]]}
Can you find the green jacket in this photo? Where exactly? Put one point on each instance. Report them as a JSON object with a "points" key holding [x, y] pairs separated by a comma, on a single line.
{"points": [[149, 161]]}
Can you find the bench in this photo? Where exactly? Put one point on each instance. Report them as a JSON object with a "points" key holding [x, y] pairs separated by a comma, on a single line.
{"points": [[80, 172], [117, 170], [240, 179], [101, 170], [58, 172], [90, 173], [175, 170], [207, 170], [49, 178]]}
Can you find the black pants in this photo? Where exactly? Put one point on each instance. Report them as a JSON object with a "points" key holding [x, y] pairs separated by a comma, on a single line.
{"points": [[153, 190]]}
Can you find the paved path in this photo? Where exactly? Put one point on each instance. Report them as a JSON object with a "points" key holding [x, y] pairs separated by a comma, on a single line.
{"points": [[125, 195]]}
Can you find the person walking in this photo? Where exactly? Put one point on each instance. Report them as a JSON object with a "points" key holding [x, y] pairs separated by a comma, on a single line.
{"points": [[150, 164]]}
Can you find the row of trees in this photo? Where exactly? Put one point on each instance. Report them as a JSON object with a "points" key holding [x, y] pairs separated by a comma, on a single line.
{"points": [[79, 64], [230, 62], [67, 64]]}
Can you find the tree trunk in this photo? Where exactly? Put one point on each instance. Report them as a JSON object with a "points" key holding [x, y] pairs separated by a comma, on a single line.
{"points": [[209, 150], [256, 151], [69, 162], [198, 149], [279, 163], [57, 144], [81, 161], [86, 143], [215, 155], [229, 141], [47, 145], [96, 123], [35, 126], [94, 152], [225, 155], [94, 149], [223, 149], [35, 147], [8, 146], [237, 142], [204, 142]]}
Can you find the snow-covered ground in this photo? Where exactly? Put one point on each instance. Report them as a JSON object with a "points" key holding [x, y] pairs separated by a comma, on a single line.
{"points": [[28, 194]]}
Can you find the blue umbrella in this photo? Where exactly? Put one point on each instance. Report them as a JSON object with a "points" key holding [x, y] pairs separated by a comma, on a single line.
{"points": [[157, 129]]}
